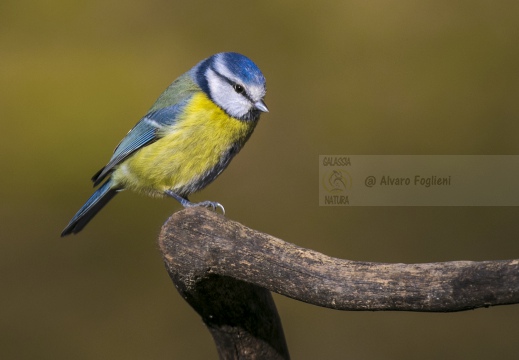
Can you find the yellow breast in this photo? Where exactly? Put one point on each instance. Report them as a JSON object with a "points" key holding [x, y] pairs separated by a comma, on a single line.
{"points": [[189, 152]]}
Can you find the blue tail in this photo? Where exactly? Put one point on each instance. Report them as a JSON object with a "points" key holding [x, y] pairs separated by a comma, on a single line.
{"points": [[96, 202]]}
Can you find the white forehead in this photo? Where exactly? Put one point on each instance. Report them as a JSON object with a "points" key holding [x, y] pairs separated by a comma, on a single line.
{"points": [[221, 67]]}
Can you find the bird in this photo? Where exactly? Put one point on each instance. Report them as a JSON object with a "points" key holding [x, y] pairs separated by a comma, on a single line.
{"points": [[186, 139]]}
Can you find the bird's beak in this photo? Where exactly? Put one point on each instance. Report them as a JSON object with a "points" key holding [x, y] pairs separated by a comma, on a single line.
{"points": [[260, 105]]}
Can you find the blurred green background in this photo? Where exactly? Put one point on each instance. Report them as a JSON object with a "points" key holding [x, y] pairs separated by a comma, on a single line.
{"points": [[357, 77]]}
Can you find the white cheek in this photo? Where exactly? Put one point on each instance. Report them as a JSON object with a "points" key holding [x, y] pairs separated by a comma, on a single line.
{"points": [[224, 95]]}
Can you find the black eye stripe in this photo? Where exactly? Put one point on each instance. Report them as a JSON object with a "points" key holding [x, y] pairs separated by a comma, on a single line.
{"points": [[233, 84]]}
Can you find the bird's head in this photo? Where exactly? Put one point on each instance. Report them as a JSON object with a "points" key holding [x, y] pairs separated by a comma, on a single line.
{"points": [[234, 83]]}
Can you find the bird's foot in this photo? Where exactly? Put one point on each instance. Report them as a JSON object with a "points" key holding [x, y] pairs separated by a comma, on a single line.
{"points": [[208, 204], [186, 203]]}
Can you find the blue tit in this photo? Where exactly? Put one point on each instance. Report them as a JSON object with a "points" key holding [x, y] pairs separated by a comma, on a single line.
{"points": [[187, 138]]}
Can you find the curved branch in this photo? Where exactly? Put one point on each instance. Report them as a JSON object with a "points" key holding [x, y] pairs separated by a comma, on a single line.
{"points": [[201, 247]]}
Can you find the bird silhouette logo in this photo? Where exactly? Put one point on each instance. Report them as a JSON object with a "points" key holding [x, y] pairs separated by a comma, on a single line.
{"points": [[336, 181]]}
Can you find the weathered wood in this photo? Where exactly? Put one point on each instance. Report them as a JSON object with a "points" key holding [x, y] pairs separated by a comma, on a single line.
{"points": [[222, 268]]}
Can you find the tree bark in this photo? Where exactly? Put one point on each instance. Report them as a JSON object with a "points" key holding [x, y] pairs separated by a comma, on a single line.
{"points": [[224, 270]]}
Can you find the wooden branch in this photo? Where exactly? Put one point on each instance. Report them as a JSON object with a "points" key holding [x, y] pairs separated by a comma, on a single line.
{"points": [[222, 268]]}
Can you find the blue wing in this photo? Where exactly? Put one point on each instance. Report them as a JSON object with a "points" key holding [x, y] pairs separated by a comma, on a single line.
{"points": [[145, 132]]}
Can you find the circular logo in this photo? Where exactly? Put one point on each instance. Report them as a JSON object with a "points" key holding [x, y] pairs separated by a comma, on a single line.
{"points": [[336, 181]]}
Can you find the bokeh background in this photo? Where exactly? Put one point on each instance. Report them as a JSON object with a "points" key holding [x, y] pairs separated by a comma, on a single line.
{"points": [[344, 77]]}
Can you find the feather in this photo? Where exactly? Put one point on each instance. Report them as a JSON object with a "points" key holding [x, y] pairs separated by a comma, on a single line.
{"points": [[147, 131]]}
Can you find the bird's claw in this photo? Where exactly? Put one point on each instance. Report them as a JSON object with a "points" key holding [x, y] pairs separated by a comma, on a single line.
{"points": [[211, 204], [186, 203]]}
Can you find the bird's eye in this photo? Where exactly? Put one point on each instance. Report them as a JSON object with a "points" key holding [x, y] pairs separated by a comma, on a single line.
{"points": [[238, 88]]}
